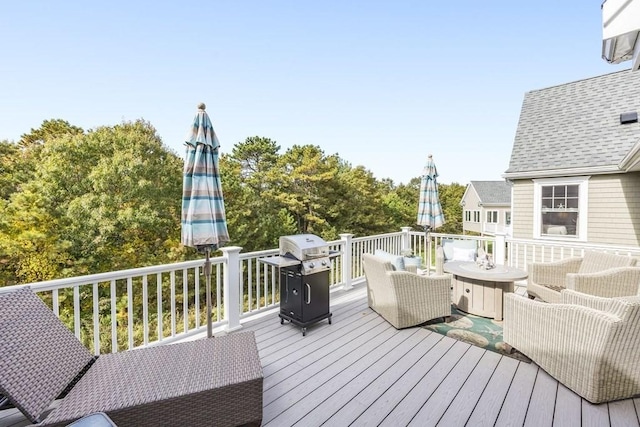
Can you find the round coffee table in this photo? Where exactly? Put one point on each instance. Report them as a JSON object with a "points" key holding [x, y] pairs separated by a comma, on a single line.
{"points": [[479, 291]]}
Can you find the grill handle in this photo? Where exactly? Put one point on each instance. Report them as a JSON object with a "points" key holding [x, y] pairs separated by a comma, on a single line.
{"points": [[308, 293]]}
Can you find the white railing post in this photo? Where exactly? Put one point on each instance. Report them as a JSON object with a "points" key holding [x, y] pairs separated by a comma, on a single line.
{"points": [[499, 251], [347, 261], [231, 289], [406, 238]]}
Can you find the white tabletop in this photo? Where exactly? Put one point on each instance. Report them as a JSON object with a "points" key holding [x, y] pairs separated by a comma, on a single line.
{"points": [[500, 273]]}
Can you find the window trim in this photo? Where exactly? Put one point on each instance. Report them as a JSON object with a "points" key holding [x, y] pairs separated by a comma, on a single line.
{"points": [[494, 215], [583, 203]]}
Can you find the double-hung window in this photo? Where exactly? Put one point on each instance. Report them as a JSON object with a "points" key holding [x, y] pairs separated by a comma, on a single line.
{"points": [[492, 217], [560, 208]]}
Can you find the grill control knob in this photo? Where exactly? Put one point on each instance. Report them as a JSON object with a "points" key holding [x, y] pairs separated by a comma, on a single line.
{"points": [[324, 262], [311, 265]]}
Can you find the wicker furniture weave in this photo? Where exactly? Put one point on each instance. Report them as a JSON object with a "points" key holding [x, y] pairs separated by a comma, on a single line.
{"points": [[599, 274], [215, 381], [405, 299], [590, 344]]}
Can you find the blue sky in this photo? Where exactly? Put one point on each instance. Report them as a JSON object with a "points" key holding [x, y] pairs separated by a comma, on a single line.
{"points": [[380, 83]]}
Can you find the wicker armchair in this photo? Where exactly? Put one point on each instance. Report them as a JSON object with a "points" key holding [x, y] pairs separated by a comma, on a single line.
{"points": [[599, 274], [405, 299], [202, 382], [456, 250], [590, 344]]}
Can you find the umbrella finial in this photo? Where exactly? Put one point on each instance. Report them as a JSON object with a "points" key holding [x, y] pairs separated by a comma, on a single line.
{"points": [[430, 156], [201, 106]]}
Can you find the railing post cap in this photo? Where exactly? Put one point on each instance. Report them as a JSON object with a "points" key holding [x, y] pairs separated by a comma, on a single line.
{"points": [[346, 235], [406, 229], [231, 249]]}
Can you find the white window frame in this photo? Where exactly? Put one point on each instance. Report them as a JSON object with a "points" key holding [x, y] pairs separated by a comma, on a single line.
{"points": [[507, 218], [467, 216], [583, 203], [476, 217], [494, 217]]}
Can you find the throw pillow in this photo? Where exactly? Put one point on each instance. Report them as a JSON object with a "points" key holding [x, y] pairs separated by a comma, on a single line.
{"points": [[396, 261], [412, 260], [449, 244], [460, 254]]}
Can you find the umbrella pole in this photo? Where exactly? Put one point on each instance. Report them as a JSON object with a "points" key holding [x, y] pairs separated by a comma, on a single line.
{"points": [[207, 275], [428, 244]]}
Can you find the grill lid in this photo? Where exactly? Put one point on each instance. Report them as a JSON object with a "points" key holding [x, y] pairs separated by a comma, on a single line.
{"points": [[303, 246]]}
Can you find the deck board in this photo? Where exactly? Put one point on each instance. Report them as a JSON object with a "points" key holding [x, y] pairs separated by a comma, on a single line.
{"points": [[362, 380], [542, 403], [464, 403], [353, 409], [595, 415], [396, 393], [316, 390], [406, 409], [361, 371], [440, 400], [568, 410], [622, 412], [301, 383], [488, 407], [516, 403]]}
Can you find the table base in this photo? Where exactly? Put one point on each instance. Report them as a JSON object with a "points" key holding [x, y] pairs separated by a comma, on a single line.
{"points": [[480, 297]]}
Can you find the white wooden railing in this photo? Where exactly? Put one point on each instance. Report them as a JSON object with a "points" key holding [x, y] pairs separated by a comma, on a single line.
{"points": [[148, 306], [126, 309], [521, 252]]}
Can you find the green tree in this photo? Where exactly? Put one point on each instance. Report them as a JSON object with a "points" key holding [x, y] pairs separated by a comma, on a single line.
{"points": [[250, 178], [356, 202], [10, 166], [32, 144], [450, 198], [101, 201], [49, 129], [128, 211], [401, 203], [304, 174]]}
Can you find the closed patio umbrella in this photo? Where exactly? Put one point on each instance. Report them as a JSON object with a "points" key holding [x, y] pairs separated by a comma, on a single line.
{"points": [[204, 225], [429, 210]]}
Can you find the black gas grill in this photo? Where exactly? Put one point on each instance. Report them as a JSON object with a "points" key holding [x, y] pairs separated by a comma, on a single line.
{"points": [[304, 263]]}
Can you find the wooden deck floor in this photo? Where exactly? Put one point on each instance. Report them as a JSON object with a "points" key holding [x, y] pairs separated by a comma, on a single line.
{"points": [[361, 371]]}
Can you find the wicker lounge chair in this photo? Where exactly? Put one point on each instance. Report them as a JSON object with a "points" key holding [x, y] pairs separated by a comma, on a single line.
{"points": [[599, 274], [405, 299], [590, 344], [215, 381]]}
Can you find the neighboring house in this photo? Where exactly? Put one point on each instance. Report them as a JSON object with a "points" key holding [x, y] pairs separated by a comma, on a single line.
{"points": [[575, 163], [486, 207]]}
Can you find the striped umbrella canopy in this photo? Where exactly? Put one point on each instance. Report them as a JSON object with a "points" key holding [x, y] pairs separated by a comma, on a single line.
{"points": [[430, 214], [204, 224], [429, 209]]}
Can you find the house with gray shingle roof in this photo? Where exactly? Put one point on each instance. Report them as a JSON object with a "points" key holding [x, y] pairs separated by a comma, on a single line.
{"points": [[575, 162], [486, 207]]}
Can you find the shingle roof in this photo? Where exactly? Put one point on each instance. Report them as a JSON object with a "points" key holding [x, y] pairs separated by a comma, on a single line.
{"points": [[493, 192], [577, 125]]}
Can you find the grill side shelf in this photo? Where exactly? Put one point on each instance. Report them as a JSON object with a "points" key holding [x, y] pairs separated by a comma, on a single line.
{"points": [[279, 261]]}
